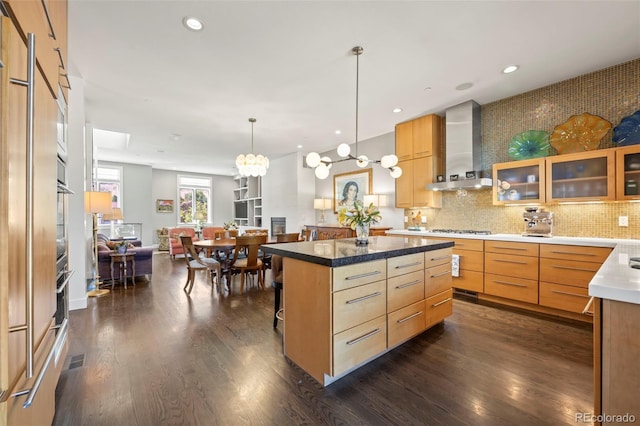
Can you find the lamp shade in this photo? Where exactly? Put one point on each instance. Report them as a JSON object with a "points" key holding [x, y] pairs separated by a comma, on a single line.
{"points": [[97, 202], [378, 200], [115, 214], [321, 203]]}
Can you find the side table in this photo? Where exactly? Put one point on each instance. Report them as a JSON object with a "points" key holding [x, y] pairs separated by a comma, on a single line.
{"points": [[121, 259]]}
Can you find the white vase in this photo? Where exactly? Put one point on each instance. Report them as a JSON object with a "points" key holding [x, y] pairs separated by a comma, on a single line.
{"points": [[362, 234]]}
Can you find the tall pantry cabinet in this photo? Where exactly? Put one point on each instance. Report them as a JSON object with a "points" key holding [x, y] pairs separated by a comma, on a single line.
{"points": [[32, 348]]}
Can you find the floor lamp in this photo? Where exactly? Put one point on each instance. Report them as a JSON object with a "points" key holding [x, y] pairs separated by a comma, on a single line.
{"points": [[113, 216], [96, 203]]}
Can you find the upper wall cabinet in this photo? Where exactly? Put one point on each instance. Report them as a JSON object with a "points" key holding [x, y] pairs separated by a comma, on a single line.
{"points": [[585, 176], [628, 173], [519, 182], [418, 138]]}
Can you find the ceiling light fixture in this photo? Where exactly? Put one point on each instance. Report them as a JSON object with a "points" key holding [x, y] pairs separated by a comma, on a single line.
{"points": [[191, 23], [323, 164], [250, 164], [397, 110], [510, 69]]}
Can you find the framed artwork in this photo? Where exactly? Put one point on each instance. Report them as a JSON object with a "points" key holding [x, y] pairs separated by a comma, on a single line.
{"points": [[164, 206], [352, 186]]}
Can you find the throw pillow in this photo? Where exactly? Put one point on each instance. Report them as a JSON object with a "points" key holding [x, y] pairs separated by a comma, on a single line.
{"points": [[111, 244]]}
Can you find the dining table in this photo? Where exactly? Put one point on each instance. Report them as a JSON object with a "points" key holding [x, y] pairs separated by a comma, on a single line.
{"points": [[222, 246]]}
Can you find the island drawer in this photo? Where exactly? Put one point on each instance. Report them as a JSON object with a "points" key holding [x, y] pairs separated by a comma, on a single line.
{"points": [[404, 264], [359, 304], [358, 344], [437, 279], [569, 272], [406, 323], [462, 243], [437, 257], [511, 288], [584, 253], [469, 280], [510, 265], [439, 307], [508, 247], [471, 260], [564, 297], [361, 273], [405, 290]]}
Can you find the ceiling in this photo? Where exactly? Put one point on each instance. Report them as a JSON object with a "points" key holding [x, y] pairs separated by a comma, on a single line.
{"points": [[185, 97]]}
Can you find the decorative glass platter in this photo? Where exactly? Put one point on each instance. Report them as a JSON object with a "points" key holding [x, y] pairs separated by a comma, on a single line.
{"points": [[529, 144], [628, 131], [579, 133]]}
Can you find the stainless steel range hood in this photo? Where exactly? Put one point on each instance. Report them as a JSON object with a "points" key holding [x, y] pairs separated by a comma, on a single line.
{"points": [[463, 149]]}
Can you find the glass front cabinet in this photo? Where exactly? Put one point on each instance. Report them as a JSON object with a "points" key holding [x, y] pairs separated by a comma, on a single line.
{"points": [[519, 182], [585, 176], [628, 173]]}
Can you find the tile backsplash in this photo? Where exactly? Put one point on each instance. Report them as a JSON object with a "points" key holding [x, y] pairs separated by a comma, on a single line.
{"points": [[612, 93]]}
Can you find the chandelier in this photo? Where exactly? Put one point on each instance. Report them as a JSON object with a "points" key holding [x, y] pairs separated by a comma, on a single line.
{"points": [[250, 164], [323, 164]]}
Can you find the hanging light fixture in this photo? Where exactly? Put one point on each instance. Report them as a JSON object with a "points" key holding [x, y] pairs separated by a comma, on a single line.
{"points": [[323, 164], [250, 164]]}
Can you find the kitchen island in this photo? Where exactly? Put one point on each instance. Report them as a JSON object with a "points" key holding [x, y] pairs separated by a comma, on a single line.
{"points": [[346, 305]]}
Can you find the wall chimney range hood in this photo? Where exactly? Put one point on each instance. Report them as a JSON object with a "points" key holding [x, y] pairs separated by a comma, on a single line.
{"points": [[463, 149]]}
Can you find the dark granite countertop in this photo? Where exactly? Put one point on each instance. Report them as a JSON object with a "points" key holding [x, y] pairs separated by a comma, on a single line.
{"points": [[345, 251]]}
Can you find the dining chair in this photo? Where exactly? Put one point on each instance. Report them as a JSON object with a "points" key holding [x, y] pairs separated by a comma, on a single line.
{"points": [[196, 263], [287, 238], [251, 263]]}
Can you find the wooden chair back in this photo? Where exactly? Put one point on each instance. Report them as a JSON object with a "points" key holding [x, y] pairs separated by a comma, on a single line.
{"points": [[209, 232], [256, 232], [250, 246], [190, 252], [287, 238]]}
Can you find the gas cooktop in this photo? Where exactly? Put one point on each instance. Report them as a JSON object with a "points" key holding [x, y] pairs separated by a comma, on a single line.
{"points": [[460, 231]]}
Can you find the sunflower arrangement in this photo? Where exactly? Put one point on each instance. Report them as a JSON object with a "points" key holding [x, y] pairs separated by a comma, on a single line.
{"points": [[358, 215]]}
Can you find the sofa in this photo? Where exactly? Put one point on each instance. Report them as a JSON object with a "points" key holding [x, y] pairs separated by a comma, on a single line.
{"points": [[175, 246], [144, 258]]}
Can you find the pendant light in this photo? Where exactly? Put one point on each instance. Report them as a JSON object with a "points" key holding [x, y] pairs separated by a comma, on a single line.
{"points": [[250, 164], [323, 164]]}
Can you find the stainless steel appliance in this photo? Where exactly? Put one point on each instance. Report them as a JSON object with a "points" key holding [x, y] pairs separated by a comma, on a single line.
{"points": [[63, 274], [537, 222]]}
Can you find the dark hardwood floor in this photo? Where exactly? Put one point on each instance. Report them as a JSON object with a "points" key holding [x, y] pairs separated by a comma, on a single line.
{"points": [[153, 355]]}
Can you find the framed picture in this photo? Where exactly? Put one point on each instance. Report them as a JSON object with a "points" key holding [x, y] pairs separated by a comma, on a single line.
{"points": [[352, 186], [164, 206]]}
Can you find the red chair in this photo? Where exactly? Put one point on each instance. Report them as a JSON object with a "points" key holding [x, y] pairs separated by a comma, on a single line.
{"points": [[209, 232], [175, 245]]}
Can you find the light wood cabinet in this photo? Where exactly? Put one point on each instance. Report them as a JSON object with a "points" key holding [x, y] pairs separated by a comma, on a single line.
{"points": [[518, 182], [511, 270], [418, 151], [27, 259], [628, 173], [406, 322], [439, 307], [471, 264]]}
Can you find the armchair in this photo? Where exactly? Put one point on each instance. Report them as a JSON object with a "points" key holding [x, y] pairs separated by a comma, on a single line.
{"points": [[175, 245], [209, 232]]}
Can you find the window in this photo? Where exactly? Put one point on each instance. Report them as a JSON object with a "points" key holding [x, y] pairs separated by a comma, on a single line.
{"points": [[109, 179], [194, 194]]}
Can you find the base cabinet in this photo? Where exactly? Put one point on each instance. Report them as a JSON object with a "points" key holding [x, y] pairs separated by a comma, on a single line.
{"points": [[339, 318]]}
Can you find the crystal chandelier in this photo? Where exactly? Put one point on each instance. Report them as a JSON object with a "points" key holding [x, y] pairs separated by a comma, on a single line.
{"points": [[250, 164], [323, 164]]}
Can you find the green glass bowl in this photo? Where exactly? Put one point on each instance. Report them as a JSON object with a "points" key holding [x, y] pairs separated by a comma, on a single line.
{"points": [[529, 144]]}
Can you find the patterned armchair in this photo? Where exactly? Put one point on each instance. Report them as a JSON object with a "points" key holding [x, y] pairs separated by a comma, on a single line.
{"points": [[175, 246]]}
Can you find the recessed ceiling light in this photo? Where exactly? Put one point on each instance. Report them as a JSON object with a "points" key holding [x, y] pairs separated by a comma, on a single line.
{"points": [[338, 132], [191, 23], [299, 146], [464, 86], [397, 110], [510, 69]]}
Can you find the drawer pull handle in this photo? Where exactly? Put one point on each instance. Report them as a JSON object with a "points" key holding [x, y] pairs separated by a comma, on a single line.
{"points": [[366, 274], [509, 283], [408, 265], [573, 252], [510, 248], [365, 336], [435, 305], [572, 268], [441, 274], [417, 314], [567, 293], [360, 299], [585, 311], [409, 284], [518, 262], [440, 258]]}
